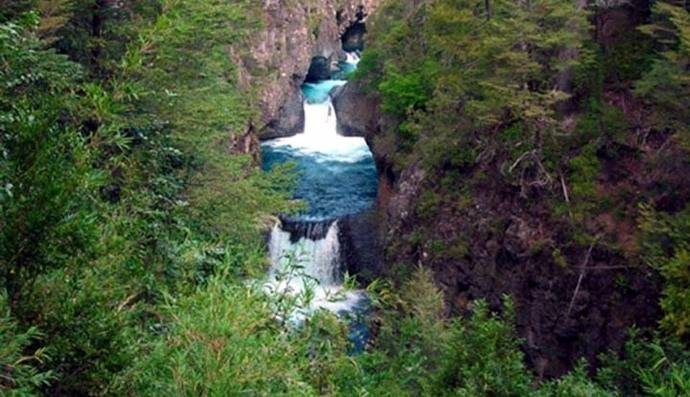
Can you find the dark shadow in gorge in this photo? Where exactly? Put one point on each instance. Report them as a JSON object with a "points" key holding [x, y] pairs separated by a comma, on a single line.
{"points": [[353, 38]]}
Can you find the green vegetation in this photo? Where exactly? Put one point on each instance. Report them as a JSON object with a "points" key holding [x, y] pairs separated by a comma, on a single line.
{"points": [[129, 233], [495, 96], [649, 367], [667, 249], [20, 376], [471, 73], [112, 162], [667, 84]]}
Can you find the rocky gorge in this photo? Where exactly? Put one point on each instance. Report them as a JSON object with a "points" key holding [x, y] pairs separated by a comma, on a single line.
{"points": [[299, 40], [304, 41], [505, 243], [345, 198], [499, 257]]}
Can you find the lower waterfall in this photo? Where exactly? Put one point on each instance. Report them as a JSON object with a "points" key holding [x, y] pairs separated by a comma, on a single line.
{"points": [[310, 268]]}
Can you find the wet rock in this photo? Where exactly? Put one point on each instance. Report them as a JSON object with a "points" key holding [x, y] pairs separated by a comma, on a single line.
{"points": [[361, 245], [290, 119], [319, 69], [336, 91], [358, 113], [302, 229]]}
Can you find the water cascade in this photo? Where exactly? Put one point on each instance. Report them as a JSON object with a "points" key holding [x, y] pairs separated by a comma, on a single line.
{"points": [[337, 178], [352, 58]]}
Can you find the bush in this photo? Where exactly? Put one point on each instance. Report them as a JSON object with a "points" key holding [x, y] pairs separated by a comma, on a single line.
{"points": [[225, 340], [667, 83], [403, 93], [666, 247], [649, 366], [419, 353], [20, 375], [483, 357]]}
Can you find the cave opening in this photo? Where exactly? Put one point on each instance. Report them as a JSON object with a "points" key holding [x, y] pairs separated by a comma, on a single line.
{"points": [[319, 70], [353, 38]]}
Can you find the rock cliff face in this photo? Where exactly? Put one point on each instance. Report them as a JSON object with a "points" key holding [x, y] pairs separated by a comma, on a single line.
{"points": [[501, 242], [358, 113], [294, 33]]}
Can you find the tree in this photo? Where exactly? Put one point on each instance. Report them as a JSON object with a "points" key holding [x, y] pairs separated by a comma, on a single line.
{"points": [[20, 376], [667, 249], [667, 84], [45, 169]]}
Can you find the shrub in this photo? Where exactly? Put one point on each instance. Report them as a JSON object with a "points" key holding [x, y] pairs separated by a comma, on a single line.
{"points": [[20, 375], [666, 247], [649, 366], [225, 340]]}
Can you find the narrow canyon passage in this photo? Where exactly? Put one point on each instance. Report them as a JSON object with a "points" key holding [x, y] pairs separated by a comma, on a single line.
{"points": [[337, 178]]}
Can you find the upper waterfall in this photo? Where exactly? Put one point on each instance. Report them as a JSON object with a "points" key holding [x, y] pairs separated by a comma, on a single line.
{"points": [[337, 173], [320, 139]]}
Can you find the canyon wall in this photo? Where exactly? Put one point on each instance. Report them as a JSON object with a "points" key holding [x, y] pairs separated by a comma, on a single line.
{"points": [[279, 58], [485, 238], [500, 243]]}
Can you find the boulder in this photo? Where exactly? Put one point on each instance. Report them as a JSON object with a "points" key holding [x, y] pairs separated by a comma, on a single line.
{"points": [[358, 112], [360, 245], [319, 69]]}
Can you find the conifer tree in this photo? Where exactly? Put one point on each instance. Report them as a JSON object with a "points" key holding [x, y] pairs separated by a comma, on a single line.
{"points": [[668, 82]]}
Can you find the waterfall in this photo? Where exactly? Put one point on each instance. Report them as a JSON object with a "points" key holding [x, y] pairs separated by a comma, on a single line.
{"points": [[352, 58], [309, 265], [317, 256], [315, 259], [338, 178], [320, 137]]}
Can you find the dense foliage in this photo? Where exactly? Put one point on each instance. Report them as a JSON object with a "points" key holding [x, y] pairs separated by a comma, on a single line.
{"points": [[110, 166], [20, 374], [667, 83], [563, 114], [474, 72], [129, 232]]}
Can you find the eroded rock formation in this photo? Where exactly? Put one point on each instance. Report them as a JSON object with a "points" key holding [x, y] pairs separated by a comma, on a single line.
{"points": [[358, 113], [295, 32]]}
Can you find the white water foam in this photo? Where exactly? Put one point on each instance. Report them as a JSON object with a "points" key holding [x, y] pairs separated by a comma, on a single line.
{"points": [[320, 137], [352, 58], [310, 268]]}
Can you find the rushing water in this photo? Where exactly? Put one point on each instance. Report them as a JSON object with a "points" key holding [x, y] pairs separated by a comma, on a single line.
{"points": [[337, 173], [337, 178]]}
